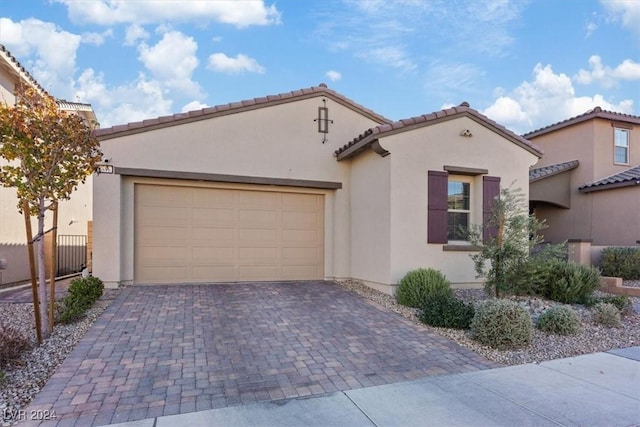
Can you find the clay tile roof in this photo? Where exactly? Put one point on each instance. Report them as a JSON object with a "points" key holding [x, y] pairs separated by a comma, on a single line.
{"points": [[20, 70], [596, 112], [625, 178], [366, 139], [237, 107], [547, 171]]}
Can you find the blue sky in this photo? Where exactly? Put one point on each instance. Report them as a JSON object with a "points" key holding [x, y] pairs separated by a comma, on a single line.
{"points": [[525, 64]]}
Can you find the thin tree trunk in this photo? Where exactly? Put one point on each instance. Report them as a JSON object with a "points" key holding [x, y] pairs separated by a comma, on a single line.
{"points": [[42, 273]]}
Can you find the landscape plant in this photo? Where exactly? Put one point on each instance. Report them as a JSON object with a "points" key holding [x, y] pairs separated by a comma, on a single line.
{"points": [[12, 342], [419, 285], [49, 153], [560, 320], [82, 294], [606, 314], [571, 283], [513, 234], [621, 262], [502, 324], [446, 311]]}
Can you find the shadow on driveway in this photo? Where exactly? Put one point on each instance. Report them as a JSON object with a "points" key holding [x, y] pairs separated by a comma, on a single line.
{"points": [[168, 349]]}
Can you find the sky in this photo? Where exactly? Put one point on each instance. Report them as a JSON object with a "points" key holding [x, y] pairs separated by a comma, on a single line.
{"points": [[525, 64]]}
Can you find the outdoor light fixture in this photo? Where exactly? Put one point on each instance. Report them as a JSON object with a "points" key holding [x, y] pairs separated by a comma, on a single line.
{"points": [[323, 120]]}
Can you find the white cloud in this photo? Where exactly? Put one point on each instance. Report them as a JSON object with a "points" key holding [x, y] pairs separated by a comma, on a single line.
{"points": [[446, 77], [133, 34], [96, 39], [608, 77], [54, 51], [110, 12], [627, 12], [172, 61], [192, 106], [391, 56], [220, 62], [333, 75], [546, 99], [138, 100]]}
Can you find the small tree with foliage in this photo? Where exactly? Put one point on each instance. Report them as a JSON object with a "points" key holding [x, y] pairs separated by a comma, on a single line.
{"points": [[515, 233], [50, 152]]}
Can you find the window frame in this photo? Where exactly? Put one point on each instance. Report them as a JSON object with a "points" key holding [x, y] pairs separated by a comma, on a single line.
{"points": [[463, 179], [626, 132]]}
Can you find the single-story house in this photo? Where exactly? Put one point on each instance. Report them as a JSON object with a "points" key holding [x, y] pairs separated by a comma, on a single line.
{"points": [[301, 185]]}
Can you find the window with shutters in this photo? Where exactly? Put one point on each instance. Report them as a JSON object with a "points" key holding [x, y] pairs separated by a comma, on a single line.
{"points": [[457, 201]]}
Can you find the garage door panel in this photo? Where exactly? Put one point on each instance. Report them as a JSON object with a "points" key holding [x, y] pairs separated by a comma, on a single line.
{"points": [[212, 234], [214, 216], [192, 234]]}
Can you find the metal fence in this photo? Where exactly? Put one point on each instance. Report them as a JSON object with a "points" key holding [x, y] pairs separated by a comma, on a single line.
{"points": [[72, 253]]}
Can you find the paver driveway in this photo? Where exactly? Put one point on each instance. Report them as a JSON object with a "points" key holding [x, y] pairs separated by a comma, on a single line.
{"points": [[161, 350]]}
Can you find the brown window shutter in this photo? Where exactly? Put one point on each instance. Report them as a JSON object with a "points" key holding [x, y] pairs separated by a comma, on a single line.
{"points": [[490, 190], [437, 207]]}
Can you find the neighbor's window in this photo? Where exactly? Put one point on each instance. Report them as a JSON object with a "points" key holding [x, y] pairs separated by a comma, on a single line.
{"points": [[459, 209], [621, 145]]}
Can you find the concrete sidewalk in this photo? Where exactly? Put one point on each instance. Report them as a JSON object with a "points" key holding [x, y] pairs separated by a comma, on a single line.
{"points": [[600, 389]]}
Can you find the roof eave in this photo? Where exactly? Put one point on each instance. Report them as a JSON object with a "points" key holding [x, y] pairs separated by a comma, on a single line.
{"points": [[610, 186]]}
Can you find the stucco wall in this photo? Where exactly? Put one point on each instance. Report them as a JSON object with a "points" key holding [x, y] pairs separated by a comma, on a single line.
{"points": [[280, 141], [370, 219], [413, 154], [592, 214]]}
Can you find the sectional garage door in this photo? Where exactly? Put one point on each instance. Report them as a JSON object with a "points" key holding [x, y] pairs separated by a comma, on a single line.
{"points": [[194, 234]]}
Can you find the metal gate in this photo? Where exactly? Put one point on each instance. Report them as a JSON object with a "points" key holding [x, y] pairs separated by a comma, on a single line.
{"points": [[72, 253]]}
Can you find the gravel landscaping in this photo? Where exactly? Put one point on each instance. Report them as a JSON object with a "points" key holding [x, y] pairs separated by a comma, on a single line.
{"points": [[25, 377]]}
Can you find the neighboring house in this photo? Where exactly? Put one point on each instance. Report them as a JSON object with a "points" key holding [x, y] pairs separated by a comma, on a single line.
{"points": [[73, 214], [278, 188], [587, 184]]}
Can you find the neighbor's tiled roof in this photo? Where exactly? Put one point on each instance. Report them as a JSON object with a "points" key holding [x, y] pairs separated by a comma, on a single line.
{"points": [[18, 69], [597, 112], [371, 135], [547, 171], [236, 107], [625, 178]]}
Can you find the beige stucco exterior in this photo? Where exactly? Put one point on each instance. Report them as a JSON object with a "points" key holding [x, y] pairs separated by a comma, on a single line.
{"points": [[375, 202], [608, 216]]}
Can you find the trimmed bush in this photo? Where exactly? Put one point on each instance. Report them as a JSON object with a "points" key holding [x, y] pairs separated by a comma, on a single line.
{"points": [[502, 324], [447, 312], [621, 262], [571, 283], [83, 292], [606, 314], [12, 343], [622, 302], [419, 285], [559, 320]]}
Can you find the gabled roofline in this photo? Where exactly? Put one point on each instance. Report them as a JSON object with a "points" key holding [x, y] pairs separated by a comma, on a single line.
{"points": [[371, 136], [237, 107], [597, 112], [19, 71]]}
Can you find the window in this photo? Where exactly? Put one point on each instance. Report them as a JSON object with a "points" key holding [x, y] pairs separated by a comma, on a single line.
{"points": [[458, 209], [621, 145]]}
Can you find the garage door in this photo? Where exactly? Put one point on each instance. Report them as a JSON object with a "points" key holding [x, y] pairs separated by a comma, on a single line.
{"points": [[193, 234]]}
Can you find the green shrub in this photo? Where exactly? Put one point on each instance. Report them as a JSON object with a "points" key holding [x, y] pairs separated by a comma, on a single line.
{"points": [[83, 292], [12, 343], [529, 277], [501, 324], [622, 302], [447, 312], [621, 262], [571, 283], [419, 285], [559, 320], [606, 314]]}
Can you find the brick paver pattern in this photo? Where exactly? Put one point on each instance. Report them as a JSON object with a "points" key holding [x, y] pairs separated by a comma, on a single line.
{"points": [[163, 350]]}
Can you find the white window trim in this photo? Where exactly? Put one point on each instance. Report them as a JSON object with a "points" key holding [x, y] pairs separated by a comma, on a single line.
{"points": [[615, 145], [473, 196]]}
